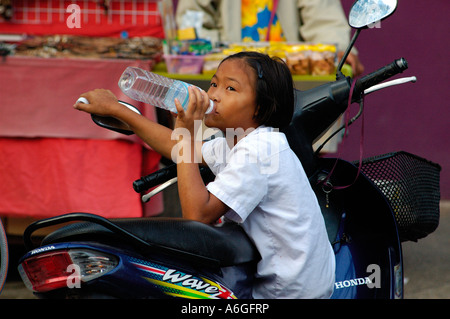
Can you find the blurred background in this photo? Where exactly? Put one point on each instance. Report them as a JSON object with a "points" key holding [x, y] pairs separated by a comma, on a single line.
{"points": [[51, 158]]}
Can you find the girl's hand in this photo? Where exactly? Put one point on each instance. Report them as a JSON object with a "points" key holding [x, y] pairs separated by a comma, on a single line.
{"points": [[197, 106], [187, 125], [101, 102]]}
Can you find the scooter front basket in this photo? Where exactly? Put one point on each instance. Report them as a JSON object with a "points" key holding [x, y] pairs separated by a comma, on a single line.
{"points": [[411, 185]]}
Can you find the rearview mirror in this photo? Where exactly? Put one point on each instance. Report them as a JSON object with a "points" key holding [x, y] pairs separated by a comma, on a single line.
{"points": [[114, 124], [366, 13]]}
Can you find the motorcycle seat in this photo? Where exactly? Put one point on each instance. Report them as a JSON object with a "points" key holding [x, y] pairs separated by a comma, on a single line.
{"points": [[225, 246]]}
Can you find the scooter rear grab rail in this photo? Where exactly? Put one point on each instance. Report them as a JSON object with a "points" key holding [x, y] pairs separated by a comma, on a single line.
{"points": [[315, 110], [119, 231]]}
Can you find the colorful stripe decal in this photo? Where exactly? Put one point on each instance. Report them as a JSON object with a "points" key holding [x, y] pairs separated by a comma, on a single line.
{"points": [[180, 284]]}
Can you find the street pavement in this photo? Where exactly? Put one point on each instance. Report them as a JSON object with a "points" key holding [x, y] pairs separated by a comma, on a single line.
{"points": [[426, 266], [427, 262]]}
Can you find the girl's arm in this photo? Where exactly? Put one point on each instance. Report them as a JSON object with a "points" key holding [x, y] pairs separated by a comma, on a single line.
{"points": [[104, 102], [197, 203]]}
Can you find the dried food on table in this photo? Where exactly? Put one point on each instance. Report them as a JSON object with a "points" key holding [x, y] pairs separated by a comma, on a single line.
{"points": [[90, 47]]}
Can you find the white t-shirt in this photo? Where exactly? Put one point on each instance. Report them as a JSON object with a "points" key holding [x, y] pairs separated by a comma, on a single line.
{"points": [[268, 192]]}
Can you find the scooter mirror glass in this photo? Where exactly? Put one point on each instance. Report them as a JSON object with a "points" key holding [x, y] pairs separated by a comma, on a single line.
{"points": [[367, 13], [114, 124]]}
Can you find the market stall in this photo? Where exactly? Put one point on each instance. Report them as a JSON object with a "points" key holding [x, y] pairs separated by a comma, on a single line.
{"points": [[53, 159]]}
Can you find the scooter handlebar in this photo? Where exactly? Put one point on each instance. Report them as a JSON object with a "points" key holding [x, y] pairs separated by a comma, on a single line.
{"points": [[154, 179], [398, 66], [163, 175]]}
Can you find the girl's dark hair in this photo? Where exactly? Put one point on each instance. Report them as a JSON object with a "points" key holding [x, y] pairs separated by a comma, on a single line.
{"points": [[274, 88]]}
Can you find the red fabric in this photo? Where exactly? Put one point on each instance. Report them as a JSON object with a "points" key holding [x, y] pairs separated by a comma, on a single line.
{"points": [[44, 17], [47, 177], [37, 96], [54, 159]]}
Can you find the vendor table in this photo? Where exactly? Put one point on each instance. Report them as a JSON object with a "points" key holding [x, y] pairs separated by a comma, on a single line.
{"points": [[54, 159]]}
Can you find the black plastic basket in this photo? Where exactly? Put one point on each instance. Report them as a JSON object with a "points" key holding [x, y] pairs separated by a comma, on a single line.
{"points": [[411, 185]]}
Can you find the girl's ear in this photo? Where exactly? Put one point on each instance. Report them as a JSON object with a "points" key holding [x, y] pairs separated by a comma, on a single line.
{"points": [[256, 112]]}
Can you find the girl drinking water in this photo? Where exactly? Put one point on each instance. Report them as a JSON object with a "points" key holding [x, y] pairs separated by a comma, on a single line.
{"points": [[259, 181]]}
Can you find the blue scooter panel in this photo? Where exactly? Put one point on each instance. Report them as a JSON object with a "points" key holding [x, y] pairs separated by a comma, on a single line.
{"points": [[362, 229]]}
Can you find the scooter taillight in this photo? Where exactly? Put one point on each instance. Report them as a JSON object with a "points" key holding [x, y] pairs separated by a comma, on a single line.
{"points": [[64, 268], [46, 271]]}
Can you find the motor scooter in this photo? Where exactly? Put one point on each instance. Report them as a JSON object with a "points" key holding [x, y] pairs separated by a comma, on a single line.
{"points": [[370, 207]]}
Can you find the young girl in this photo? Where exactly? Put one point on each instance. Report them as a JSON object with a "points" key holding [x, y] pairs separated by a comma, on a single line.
{"points": [[259, 181]]}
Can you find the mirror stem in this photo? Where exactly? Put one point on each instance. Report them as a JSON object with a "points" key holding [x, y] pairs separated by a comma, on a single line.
{"points": [[347, 52]]}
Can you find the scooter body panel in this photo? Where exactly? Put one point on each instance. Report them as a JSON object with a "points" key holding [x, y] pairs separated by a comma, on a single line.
{"points": [[361, 227], [366, 243], [142, 277]]}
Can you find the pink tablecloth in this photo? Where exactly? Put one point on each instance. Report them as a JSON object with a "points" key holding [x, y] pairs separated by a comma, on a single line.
{"points": [[54, 159], [37, 96]]}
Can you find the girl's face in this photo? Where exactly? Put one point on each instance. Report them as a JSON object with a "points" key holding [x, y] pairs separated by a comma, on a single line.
{"points": [[233, 91]]}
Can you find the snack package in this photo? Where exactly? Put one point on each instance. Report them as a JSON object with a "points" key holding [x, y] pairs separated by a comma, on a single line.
{"points": [[323, 59], [298, 59], [277, 49], [301, 58]]}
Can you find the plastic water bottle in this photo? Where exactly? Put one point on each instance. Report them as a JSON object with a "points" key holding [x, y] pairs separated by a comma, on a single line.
{"points": [[155, 89]]}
